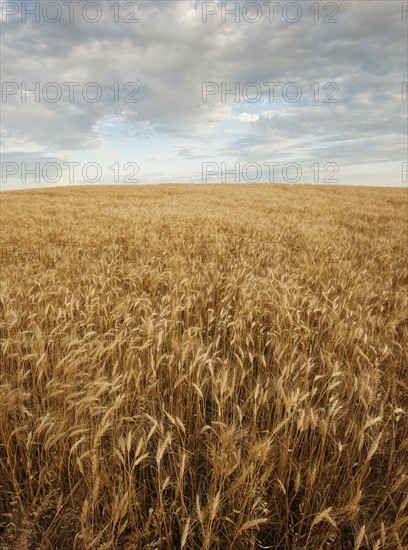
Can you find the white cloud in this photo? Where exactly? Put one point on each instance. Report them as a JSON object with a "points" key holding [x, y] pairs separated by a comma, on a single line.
{"points": [[171, 52]]}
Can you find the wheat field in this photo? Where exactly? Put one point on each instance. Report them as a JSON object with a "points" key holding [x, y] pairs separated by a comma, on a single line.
{"points": [[204, 367]]}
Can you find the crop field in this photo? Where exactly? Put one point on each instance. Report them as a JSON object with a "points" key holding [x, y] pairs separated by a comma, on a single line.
{"points": [[204, 367]]}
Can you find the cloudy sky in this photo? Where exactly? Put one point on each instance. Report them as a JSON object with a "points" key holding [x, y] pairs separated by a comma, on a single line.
{"points": [[188, 91]]}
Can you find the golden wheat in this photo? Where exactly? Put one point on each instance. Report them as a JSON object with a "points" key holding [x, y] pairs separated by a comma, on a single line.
{"points": [[220, 366]]}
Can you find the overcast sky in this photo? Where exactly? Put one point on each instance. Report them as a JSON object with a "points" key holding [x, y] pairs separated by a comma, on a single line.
{"points": [[320, 90]]}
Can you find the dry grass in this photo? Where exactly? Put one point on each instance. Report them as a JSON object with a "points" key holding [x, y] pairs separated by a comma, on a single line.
{"points": [[225, 367]]}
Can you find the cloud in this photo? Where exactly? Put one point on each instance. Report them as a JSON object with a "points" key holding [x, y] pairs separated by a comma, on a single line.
{"points": [[170, 53]]}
